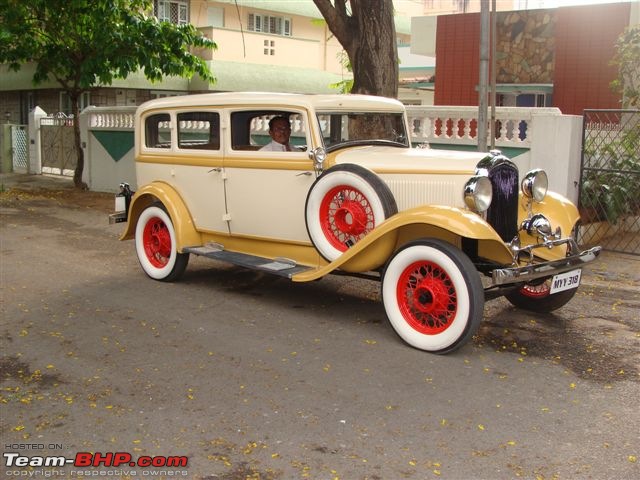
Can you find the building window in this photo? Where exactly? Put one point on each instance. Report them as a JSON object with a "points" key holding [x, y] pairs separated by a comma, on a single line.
{"points": [[269, 24], [269, 47], [164, 94], [215, 17], [173, 11], [65, 102]]}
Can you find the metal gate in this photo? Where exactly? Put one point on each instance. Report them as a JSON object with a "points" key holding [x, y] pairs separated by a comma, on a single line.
{"points": [[609, 199], [19, 148], [58, 145]]}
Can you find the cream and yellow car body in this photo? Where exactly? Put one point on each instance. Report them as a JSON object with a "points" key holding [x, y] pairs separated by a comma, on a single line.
{"points": [[441, 230], [427, 185]]}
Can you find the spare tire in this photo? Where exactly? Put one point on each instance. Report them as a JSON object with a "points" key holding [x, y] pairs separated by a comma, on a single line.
{"points": [[344, 204]]}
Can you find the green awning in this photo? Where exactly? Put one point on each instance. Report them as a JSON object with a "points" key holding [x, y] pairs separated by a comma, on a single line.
{"points": [[23, 80], [231, 77], [239, 76]]}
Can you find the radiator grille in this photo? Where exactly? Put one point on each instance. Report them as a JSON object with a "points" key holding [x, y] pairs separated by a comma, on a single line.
{"points": [[503, 212]]}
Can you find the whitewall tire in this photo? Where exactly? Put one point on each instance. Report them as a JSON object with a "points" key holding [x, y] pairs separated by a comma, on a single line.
{"points": [[155, 240], [344, 204], [433, 296]]}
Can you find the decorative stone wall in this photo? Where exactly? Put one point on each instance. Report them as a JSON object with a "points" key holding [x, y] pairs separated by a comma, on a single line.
{"points": [[525, 46]]}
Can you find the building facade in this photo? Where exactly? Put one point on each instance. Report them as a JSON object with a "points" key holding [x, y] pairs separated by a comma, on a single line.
{"points": [[263, 45], [549, 57]]}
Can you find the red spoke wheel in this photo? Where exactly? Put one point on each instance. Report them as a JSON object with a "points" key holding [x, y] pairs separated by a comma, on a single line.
{"points": [[344, 204], [433, 296], [427, 297], [156, 241], [346, 216], [156, 245], [537, 297]]}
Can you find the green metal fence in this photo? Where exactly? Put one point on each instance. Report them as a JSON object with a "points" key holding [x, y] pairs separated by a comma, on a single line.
{"points": [[609, 199]]}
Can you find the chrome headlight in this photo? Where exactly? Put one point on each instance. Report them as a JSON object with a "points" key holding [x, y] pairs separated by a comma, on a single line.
{"points": [[318, 155], [535, 184], [478, 193]]}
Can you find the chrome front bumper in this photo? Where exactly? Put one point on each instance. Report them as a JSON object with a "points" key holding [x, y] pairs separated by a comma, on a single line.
{"points": [[528, 273]]}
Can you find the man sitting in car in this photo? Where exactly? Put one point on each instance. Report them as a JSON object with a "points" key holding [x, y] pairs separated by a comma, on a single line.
{"points": [[279, 131]]}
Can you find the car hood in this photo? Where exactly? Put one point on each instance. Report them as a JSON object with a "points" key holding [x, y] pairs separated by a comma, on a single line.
{"points": [[414, 160]]}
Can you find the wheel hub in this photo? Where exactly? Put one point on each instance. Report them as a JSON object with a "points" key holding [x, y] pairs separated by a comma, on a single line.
{"points": [[351, 218], [431, 297]]}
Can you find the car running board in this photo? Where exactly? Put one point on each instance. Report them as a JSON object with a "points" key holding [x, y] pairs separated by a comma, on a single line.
{"points": [[282, 267]]}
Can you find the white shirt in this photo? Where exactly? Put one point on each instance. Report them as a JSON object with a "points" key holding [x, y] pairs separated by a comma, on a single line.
{"points": [[274, 146]]}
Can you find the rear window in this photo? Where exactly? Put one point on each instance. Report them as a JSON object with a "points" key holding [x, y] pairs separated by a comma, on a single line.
{"points": [[157, 131]]}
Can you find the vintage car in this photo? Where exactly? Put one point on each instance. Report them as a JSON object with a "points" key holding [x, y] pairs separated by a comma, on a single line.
{"points": [[441, 230]]}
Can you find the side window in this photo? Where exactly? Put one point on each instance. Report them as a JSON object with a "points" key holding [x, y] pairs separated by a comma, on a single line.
{"points": [[199, 130], [250, 129], [157, 131]]}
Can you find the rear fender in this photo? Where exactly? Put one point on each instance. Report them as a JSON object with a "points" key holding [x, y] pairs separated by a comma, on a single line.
{"points": [[186, 234]]}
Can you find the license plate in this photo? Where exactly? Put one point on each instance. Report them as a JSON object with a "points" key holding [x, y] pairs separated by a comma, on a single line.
{"points": [[565, 281], [120, 203]]}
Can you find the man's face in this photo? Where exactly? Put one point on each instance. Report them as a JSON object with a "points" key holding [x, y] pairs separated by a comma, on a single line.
{"points": [[280, 131]]}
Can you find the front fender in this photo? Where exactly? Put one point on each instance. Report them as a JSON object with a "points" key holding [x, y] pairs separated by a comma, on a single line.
{"points": [[560, 212], [446, 223], [186, 234]]}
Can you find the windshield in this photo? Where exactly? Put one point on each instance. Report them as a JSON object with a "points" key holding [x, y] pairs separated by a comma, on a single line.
{"points": [[362, 127]]}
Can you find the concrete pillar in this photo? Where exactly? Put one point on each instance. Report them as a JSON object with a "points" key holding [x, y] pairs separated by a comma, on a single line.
{"points": [[6, 159], [35, 144], [85, 144], [556, 147]]}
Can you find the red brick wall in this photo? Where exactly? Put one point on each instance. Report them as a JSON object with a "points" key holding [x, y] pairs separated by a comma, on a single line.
{"points": [[457, 59], [585, 39]]}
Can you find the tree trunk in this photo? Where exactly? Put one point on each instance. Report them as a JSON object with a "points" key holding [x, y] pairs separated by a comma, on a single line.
{"points": [[368, 35], [77, 174], [373, 52]]}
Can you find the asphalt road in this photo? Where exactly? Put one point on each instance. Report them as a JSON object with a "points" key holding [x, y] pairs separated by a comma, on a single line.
{"points": [[251, 376]]}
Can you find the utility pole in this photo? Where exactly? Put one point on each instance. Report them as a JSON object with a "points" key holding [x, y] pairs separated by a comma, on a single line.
{"points": [[484, 75], [492, 100]]}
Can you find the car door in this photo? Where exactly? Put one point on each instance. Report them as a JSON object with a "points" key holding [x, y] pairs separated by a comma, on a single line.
{"points": [[265, 190], [201, 182]]}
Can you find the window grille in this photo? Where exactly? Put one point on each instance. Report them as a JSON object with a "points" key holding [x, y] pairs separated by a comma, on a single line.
{"points": [[269, 24], [173, 11]]}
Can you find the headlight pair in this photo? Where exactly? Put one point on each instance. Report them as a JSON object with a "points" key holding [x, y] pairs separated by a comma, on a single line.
{"points": [[478, 191]]}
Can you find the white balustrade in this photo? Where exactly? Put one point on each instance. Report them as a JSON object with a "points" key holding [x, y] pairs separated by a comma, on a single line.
{"points": [[110, 118], [458, 125]]}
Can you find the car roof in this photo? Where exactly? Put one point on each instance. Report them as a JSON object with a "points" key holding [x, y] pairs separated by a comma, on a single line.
{"points": [[326, 102]]}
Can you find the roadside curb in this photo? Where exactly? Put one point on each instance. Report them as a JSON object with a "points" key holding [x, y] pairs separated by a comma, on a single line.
{"points": [[30, 182]]}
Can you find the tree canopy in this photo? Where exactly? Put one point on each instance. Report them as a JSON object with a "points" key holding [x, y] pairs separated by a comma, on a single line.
{"points": [[627, 59], [81, 44]]}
